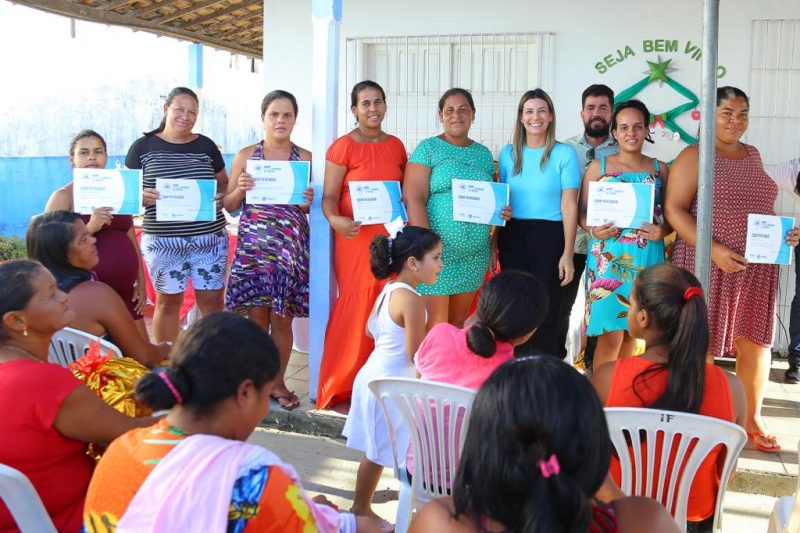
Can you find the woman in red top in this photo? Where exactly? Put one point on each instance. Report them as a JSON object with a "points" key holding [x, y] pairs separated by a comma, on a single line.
{"points": [[365, 154], [46, 415], [669, 313]]}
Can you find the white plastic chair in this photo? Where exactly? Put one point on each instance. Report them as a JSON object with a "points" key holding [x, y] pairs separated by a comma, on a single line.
{"points": [[785, 517], [23, 502], [437, 418], [68, 345], [678, 431]]}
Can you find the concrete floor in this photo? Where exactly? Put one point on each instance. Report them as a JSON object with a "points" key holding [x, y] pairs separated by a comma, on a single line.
{"points": [[328, 467]]}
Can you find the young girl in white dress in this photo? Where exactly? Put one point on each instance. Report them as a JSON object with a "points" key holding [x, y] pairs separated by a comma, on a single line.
{"points": [[397, 323]]}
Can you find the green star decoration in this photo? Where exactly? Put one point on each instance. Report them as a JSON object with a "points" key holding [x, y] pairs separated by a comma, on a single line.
{"points": [[658, 71]]}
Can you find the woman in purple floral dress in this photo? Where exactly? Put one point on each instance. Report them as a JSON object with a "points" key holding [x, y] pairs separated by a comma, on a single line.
{"points": [[617, 255], [269, 276]]}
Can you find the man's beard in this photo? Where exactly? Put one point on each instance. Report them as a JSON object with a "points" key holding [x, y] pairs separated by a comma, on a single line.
{"points": [[600, 131]]}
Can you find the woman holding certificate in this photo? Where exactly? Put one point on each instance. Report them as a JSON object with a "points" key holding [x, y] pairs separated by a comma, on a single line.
{"points": [[365, 154], [120, 265], [618, 254], [741, 296], [543, 176], [184, 232], [428, 195], [269, 275]]}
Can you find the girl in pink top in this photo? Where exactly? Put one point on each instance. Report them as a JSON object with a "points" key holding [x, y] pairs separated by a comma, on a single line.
{"points": [[510, 308]]}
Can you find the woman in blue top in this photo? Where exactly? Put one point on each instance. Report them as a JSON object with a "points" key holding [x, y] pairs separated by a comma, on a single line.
{"points": [[617, 255], [543, 176]]}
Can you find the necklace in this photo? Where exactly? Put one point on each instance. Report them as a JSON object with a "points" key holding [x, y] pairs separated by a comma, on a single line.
{"points": [[26, 353]]}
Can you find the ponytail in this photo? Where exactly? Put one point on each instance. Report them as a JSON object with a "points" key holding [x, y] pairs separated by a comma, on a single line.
{"points": [[511, 305], [537, 449], [673, 298], [388, 256], [208, 364], [162, 390], [481, 340]]}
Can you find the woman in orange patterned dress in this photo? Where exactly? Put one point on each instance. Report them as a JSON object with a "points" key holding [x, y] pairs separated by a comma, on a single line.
{"points": [[365, 154]]}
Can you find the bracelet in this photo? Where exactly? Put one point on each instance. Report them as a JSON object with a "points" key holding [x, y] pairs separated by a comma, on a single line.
{"points": [[591, 232]]}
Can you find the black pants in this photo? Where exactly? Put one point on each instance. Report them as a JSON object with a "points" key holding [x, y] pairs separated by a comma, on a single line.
{"points": [[535, 246], [794, 316]]}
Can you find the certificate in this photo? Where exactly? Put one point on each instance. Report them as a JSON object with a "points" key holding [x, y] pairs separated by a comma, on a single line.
{"points": [[479, 201], [377, 202], [627, 205], [186, 200], [278, 182], [119, 189], [766, 239]]}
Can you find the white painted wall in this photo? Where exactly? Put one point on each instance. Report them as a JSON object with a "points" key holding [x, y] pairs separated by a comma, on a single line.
{"points": [[585, 31]]}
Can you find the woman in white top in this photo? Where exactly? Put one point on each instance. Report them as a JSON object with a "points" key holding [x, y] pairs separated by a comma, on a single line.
{"points": [[785, 176], [397, 323]]}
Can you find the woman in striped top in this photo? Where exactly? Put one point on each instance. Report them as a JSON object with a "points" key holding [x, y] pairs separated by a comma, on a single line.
{"points": [[177, 251]]}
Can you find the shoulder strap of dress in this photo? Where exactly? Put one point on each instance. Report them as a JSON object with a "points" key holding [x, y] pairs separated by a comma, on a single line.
{"points": [[295, 154], [602, 165], [258, 153], [656, 166]]}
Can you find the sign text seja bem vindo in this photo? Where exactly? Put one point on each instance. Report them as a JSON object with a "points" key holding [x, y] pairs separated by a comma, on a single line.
{"points": [[654, 45]]}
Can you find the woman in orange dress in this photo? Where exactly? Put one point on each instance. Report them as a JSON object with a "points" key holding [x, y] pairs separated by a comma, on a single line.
{"points": [[365, 154]]}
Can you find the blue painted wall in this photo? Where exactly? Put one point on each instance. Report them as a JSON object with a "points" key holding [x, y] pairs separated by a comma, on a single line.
{"points": [[27, 182]]}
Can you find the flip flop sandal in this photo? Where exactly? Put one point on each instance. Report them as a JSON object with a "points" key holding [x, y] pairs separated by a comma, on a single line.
{"points": [[752, 435], [291, 400]]}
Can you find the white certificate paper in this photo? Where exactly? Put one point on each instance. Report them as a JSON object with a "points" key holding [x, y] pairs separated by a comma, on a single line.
{"points": [[119, 189], [278, 182], [627, 205], [766, 239], [479, 202], [377, 202], [186, 200]]}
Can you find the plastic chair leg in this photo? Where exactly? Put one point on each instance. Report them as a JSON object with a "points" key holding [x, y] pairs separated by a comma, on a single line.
{"points": [[403, 519]]}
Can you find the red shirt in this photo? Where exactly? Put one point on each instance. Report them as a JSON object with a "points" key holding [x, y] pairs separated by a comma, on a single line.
{"points": [[30, 397]]}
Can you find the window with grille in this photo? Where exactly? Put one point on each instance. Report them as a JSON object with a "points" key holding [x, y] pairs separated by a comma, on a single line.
{"points": [[415, 71]]}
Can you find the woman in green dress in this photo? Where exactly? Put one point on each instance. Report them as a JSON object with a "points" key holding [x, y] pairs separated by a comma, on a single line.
{"points": [[428, 195]]}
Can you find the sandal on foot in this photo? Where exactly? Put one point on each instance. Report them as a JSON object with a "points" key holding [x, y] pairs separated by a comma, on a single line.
{"points": [[753, 435], [286, 401]]}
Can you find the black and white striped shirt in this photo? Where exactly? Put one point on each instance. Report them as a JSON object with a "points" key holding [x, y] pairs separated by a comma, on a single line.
{"points": [[199, 159]]}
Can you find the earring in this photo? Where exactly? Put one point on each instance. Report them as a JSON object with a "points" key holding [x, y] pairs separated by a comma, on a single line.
{"points": [[25, 332]]}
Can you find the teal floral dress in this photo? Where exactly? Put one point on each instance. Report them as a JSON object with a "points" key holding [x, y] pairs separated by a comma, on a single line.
{"points": [[612, 264], [465, 245]]}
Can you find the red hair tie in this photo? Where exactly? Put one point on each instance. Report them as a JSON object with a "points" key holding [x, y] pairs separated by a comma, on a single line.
{"points": [[692, 291]]}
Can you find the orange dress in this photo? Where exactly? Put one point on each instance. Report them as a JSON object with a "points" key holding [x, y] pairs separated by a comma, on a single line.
{"points": [[717, 402], [346, 344]]}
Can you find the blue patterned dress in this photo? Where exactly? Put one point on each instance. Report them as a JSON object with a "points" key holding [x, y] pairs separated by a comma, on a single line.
{"points": [[270, 266], [612, 264]]}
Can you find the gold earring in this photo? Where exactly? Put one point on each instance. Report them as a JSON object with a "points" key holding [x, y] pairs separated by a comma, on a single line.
{"points": [[25, 332]]}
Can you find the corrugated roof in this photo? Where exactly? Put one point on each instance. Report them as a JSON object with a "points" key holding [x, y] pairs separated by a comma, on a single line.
{"points": [[233, 25]]}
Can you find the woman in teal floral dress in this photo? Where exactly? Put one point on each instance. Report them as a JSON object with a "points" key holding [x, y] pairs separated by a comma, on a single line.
{"points": [[428, 195], [617, 255]]}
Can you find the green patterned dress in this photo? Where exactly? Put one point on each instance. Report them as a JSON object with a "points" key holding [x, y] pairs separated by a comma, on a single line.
{"points": [[465, 245]]}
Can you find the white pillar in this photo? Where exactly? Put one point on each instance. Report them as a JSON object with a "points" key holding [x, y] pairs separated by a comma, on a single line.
{"points": [[326, 16]]}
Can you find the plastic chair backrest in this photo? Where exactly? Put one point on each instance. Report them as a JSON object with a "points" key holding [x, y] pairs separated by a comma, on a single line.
{"points": [[687, 437], [437, 418], [68, 345], [23, 502]]}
